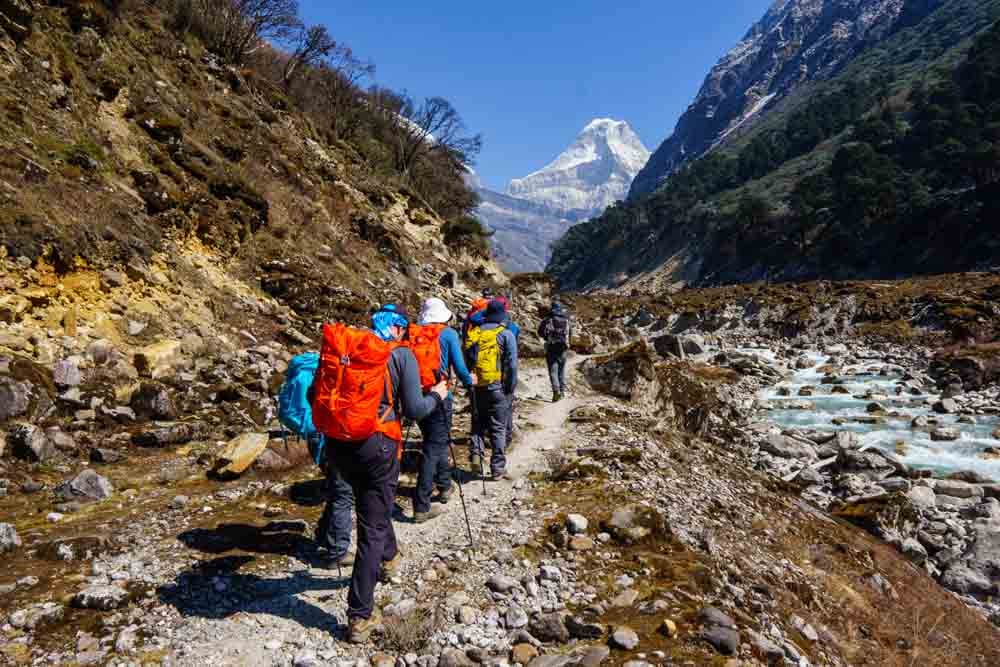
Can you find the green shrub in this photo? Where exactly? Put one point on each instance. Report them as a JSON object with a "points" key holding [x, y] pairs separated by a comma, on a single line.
{"points": [[468, 233]]}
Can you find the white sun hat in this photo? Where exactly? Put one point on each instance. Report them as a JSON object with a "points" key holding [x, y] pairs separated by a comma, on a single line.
{"points": [[435, 311]]}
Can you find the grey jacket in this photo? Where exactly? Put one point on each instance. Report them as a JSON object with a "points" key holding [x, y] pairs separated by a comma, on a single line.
{"points": [[407, 394]]}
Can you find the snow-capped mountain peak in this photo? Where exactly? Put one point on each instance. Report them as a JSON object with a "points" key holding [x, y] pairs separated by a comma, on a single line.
{"points": [[594, 172]]}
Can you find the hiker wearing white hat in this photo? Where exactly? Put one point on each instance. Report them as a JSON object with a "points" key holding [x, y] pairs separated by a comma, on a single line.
{"points": [[439, 354], [434, 311]]}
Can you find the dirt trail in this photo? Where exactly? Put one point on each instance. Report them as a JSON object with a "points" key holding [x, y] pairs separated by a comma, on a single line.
{"points": [[301, 610]]}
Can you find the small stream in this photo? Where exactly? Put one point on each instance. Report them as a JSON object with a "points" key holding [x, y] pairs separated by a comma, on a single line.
{"points": [[875, 381]]}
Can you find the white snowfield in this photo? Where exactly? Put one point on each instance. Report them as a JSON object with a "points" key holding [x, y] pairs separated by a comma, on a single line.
{"points": [[590, 175]]}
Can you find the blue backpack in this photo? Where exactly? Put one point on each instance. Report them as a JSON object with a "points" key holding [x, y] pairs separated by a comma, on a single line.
{"points": [[294, 410]]}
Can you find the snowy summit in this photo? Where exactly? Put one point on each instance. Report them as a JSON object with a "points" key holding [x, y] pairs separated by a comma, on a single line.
{"points": [[590, 175]]}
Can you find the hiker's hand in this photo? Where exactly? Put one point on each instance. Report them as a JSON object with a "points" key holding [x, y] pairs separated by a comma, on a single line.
{"points": [[441, 389], [475, 379]]}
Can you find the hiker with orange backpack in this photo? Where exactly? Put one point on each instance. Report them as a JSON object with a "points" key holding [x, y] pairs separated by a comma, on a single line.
{"points": [[366, 383], [439, 354]]}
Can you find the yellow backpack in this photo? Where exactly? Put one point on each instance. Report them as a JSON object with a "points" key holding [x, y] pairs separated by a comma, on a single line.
{"points": [[482, 351]]}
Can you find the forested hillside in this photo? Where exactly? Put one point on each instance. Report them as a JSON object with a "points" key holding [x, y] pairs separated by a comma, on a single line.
{"points": [[890, 169]]}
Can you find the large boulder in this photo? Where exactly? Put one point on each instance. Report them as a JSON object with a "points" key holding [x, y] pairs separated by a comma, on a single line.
{"points": [[788, 447], [966, 581], [88, 486], [240, 453], [629, 373], [29, 442]]}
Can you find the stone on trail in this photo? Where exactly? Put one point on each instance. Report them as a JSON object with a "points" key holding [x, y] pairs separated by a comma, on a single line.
{"points": [[765, 648], [501, 583], [29, 443], [163, 436], [9, 539], [626, 598], [576, 524], [550, 628], [453, 657], [725, 640], [995, 434], [37, 615], [87, 486], [101, 598], [580, 628], [523, 654], [668, 628], [625, 638], [635, 522], [713, 616], [592, 656], [240, 453], [103, 455], [581, 543], [516, 617]]}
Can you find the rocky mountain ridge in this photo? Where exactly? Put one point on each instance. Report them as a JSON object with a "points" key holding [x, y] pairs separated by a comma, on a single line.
{"points": [[875, 173], [796, 42], [595, 171]]}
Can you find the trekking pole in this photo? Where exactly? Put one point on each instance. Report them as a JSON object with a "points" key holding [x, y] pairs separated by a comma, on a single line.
{"points": [[482, 445], [461, 492]]}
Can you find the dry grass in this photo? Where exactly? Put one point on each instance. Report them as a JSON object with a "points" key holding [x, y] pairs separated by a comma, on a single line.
{"points": [[409, 634]]}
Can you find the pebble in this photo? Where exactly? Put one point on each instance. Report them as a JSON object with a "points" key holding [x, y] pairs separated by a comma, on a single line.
{"points": [[625, 638]]}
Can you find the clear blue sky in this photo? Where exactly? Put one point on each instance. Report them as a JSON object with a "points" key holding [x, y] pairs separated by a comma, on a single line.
{"points": [[529, 74]]}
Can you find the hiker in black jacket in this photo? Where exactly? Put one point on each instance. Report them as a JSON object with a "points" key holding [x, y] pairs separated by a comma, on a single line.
{"points": [[556, 331]]}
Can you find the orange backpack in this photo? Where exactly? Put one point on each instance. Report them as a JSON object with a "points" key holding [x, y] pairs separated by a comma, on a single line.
{"points": [[425, 343], [352, 378]]}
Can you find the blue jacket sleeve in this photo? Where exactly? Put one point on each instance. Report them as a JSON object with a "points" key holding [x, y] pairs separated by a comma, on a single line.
{"points": [[509, 362], [451, 353]]}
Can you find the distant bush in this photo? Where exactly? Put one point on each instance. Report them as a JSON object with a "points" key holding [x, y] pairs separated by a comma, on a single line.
{"points": [[467, 233]]}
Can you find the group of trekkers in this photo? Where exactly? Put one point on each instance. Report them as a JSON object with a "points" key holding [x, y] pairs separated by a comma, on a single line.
{"points": [[350, 402]]}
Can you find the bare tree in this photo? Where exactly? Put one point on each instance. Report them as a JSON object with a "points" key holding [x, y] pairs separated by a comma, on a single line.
{"points": [[432, 127], [310, 48], [234, 29]]}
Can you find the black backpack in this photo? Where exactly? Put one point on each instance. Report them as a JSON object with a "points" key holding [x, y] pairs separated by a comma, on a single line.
{"points": [[557, 333]]}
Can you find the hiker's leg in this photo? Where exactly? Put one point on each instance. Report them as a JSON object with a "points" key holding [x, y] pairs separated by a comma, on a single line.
{"points": [[442, 476], [480, 418], [365, 468], [334, 529], [434, 429], [510, 420], [390, 487], [561, 365], [552, 362], [499, 406]]}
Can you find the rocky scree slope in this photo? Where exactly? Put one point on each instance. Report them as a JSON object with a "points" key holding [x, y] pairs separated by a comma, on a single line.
{"points": [[847, 178], [123, 143]]}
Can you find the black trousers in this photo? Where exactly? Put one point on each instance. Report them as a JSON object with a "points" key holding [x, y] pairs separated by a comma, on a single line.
{"points": [[372, 469], [435, 468]]}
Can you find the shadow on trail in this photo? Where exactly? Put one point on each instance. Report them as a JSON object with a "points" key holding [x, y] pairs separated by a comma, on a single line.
{"points": [[217, 589]]}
